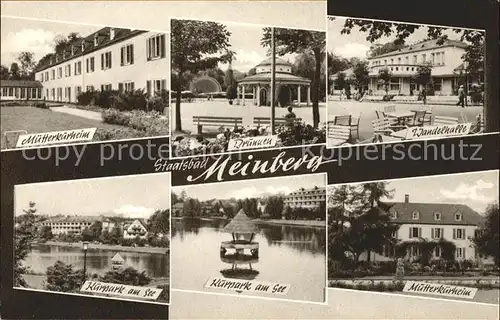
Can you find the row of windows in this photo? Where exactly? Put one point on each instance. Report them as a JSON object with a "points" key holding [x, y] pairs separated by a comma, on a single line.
{"points": [[436, 58], [23, 93], [415, 215], [304, 203], [152, 86], [438, 233], [67, 223], [414, 251], [305, 198], [156, 49]]}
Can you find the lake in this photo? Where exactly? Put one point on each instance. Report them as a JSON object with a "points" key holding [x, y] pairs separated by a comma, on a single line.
{"points": [[292, 255], [98, 260]]}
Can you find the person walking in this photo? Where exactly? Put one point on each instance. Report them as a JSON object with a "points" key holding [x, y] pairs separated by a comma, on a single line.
{"points": [[424, 95], [461, 96]]}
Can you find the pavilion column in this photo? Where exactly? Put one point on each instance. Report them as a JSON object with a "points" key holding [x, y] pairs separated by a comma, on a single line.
{"points": [[298, 95], [254, 95], [237, 94], [290, 95], [258, 96], [243, 98], [308, 96]]}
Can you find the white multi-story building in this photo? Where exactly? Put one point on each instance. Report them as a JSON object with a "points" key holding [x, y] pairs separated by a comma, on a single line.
{"points": [[108, 59], [69, 225], [456, 223], [306, 198], [446, 60]]}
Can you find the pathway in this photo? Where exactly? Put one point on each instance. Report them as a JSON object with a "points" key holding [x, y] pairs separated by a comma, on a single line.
{"points": [[92, 115]]}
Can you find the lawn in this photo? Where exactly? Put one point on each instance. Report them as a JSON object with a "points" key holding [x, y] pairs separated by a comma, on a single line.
{"points": [[36, 120]]}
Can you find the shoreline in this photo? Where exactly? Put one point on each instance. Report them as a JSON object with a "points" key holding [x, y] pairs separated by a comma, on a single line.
{"points": [[152, 250], [297, 223]]}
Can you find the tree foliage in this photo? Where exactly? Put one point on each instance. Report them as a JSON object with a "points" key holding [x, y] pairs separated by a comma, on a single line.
{"points": [[385, 76], [196, 46], [24, 235], [487, 241], [128, 276], [301, 41], [63, 277], [424, 74]]}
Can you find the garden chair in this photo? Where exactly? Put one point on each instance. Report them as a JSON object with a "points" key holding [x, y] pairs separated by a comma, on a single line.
{"points": [[418, 119], [479, 124], [17, 133], [439, 120], [382, 129], [355, 125], [391, 108], [342, 120], [338, 135]]}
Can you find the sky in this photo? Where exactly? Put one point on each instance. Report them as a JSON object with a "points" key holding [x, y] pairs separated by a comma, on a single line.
{"points": [[477, 190], [37, 36], [18, 35], [245, 41], [132, 196], [252, 188], [355, 45]]}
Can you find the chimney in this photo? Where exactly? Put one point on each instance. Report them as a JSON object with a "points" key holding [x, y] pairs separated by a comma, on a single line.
{"points": [[83, 46], [73, 50], [96, 39], [407, 198], [111, 33], [57, 58]]}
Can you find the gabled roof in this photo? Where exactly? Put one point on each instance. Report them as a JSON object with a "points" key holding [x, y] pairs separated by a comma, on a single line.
{"points": [[423, 45], [20, 84], [426, 213]]}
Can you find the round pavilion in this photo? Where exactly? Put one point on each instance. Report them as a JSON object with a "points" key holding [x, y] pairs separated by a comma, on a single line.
{"points": [[259, 84]]}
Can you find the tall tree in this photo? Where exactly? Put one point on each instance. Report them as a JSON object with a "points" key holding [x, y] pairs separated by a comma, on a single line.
{"points": [[487, 241], [27, 65], [15, 72], [195, 46], [360, 78], [341, 81], [385, 75], [301, 41], [424, 75], [24, 236], [4, 72], [379, 49]]}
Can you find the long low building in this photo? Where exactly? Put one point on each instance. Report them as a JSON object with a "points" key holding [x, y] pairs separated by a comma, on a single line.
{"points": [[108, 59], [21, 90]]}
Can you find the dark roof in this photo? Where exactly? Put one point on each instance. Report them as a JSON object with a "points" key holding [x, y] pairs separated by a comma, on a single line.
{"points": [[241, 223], [424, 45], [426, 213], [103, 41], [267, 62], [21, 83]]}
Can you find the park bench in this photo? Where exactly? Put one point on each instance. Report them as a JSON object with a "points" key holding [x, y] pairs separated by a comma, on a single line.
{"points": [[201, 121], [440, 120], [338, 135], [266, 121]]}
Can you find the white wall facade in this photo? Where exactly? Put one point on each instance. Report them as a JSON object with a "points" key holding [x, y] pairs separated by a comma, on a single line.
{"points": [[63, 87]]}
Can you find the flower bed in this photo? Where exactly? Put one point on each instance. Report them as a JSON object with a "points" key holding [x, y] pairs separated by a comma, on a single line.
{"points": [[288, 135], [392, 286]]}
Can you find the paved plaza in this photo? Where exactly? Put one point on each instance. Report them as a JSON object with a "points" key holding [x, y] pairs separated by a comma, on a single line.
{"points": [[221, 108], [367, 112]]}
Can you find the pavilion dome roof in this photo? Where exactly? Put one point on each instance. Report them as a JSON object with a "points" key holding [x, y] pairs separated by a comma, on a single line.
{"points": [[279, 61], [241, 223]]}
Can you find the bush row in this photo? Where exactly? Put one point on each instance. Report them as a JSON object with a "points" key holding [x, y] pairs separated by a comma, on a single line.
{"points": [[125, 101], [152, 123]]}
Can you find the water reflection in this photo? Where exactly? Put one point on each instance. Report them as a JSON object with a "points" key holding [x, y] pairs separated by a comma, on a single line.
{"points": [[293, 255], [98, 261]]}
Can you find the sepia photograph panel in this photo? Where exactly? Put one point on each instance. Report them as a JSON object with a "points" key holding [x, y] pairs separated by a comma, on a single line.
{"points": [[393, 82], [263, 238], [105, 237], [240, 86], [63, 83], [433, 236]]}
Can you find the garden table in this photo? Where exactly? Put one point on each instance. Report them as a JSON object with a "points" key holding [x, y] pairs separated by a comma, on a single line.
{"points": [[400, 115]]}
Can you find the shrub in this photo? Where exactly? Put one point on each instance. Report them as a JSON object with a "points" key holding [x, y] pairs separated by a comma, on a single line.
{"points": [[114, 116], [298, 133], [159, 102], [117, 134], [62, 277], [388, 97], [127, 101], [128, 276], [85, 98], [41, 105], [151, 123]]}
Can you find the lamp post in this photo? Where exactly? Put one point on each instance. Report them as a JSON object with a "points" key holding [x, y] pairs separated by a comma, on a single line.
{"points": [[466, 65], [85, 247], [273, 80]]}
